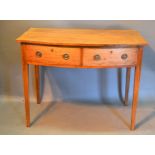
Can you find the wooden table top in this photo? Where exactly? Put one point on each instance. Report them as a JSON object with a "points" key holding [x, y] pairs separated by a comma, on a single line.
{"points": [[82, 37]]}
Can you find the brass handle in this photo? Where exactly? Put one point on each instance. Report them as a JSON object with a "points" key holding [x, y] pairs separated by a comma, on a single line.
{"points": [[97, 57], [65, 56], [124, 56], [38, 54]]}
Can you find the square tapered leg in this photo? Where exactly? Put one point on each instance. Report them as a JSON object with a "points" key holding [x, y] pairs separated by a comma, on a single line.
{"points": [[128, 72], [136, 87], [37, 83], [26, 92]]}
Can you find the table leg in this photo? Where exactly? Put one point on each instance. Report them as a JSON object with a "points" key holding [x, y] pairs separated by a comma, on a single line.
{"points": [[37, 81], [128, 71], [26, 92], [136, 87]]}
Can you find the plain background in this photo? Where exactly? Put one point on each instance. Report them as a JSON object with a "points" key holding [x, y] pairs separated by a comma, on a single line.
{"points": [[58, 84]]}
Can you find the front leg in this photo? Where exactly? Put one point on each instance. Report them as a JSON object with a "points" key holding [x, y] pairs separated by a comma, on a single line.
{"points": [[37, 82], [136, 87], [25, 70], [26, 92]]}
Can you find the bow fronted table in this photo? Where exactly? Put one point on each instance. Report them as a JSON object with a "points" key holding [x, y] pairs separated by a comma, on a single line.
{"points": [[82, 48]]}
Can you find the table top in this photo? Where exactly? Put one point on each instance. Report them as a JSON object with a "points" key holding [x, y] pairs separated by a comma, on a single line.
{"points": [[82, 37]]}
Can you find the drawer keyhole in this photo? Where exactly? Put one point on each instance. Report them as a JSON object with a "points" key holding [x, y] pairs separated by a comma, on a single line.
{"points": [[97, 57], [65, 56], [38, 54], [124, 56]]}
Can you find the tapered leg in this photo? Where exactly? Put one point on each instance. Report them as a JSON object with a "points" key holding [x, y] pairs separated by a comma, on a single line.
{"points": [[128, 71], [136, 88], [36, 72], [26, 92]]}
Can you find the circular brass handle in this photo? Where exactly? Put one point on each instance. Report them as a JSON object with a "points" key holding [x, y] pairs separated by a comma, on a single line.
{"points": [[97, 57], [65, 56], [124, 56], [38, 54]]}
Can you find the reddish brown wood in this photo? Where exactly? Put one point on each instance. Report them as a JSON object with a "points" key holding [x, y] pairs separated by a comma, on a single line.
{"points": [[37, 82], [50, 55], [109, 56], [26, 88], [136, 87], [128, 72], [48, 47], [82, 37]]}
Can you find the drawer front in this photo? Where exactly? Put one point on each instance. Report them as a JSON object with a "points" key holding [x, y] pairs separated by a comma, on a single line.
{"points": [[109, 57], [49, 55]]}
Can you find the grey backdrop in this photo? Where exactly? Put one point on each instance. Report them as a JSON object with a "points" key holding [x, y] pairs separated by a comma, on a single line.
{"points": [[92, 85]]}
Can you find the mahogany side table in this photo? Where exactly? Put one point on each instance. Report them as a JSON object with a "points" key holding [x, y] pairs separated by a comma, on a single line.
{"points": [[82, 48]]}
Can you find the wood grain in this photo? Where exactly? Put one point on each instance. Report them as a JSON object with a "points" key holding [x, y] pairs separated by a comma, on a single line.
{"points": [[52, 55], [128, 72], [136, 88], [82, 37], [47, 47], [37, 82], [25, 70], [109, 56]]}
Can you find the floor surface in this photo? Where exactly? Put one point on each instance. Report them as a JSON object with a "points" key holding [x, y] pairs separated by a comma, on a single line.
{"points": [[75, 118]]}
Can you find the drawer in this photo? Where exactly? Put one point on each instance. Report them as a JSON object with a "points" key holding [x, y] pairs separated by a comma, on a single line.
{"points": [[109, 57], [49, 55]]}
